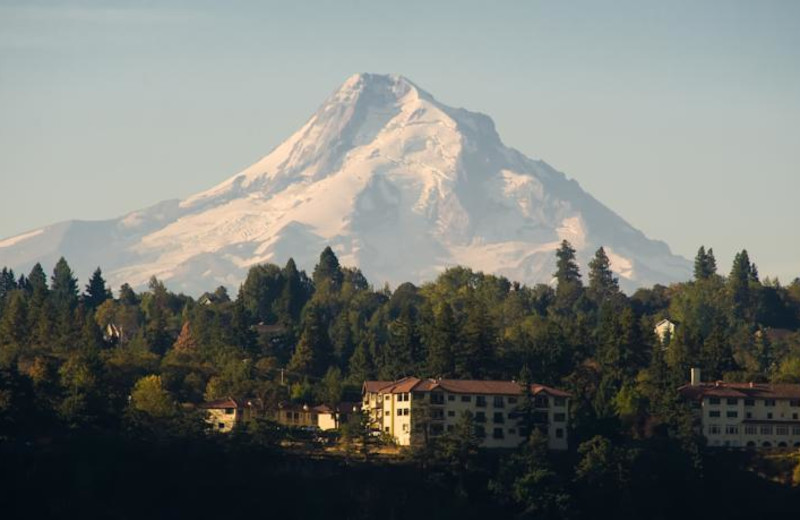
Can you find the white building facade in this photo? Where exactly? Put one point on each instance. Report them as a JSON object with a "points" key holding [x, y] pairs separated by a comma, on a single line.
{"points": [[746, 415], [399, 408]]}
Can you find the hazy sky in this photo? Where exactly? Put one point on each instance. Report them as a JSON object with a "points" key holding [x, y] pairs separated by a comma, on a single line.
{"points": [[681, 116]]}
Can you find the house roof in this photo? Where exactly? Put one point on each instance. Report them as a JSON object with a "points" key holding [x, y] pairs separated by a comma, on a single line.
{"points": [[221, 403], [744, 390], [458, 386]]}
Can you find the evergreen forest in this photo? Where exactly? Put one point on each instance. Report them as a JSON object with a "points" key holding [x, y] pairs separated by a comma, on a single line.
{"points": [[97, 389]]}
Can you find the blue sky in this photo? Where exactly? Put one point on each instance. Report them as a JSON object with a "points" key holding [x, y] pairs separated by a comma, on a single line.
{"points": [[681, 116]]}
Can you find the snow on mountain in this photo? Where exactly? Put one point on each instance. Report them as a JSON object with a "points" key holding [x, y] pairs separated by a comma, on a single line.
{"points": [[394, 181]]}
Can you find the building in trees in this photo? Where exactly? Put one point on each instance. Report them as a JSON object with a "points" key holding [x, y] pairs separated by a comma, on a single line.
{"points": [[745, 415], [224, 414], [413, 410], [664, 329]]}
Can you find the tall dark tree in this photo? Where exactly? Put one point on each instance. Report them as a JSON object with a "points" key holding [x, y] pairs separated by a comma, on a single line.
{"points": [[313, 350], [739, 283], [96, 291], [442, 342], [328, 275], [568, 277], [8, 283], [13, 327], [602, 283], [127, 296], [64, 287], [705, 265], [360, 367]]}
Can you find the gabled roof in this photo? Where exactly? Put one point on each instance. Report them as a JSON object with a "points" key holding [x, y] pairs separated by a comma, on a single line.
{"points": [[459, 386], [221, 403], [741, 390]]}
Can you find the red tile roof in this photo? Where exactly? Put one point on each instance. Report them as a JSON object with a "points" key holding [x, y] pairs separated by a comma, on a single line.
{"points": [[743, 390], [458, 386], [220, 404]]}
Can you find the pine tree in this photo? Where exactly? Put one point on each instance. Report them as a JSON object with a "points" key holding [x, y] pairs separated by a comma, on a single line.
{"points": [[64, 287], [739, 283], [568, 277], [127, 296], [602, 284], [328, 276], [705, 265], [13, 325], [96, 291], [442, 343], [360, 367], [312, 353], [7, 284]]}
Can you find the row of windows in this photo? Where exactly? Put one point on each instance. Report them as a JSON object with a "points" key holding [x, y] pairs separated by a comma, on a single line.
{"points": [[733, 429], [498, 401], [794, 403], [733, 414], [480, 417]]}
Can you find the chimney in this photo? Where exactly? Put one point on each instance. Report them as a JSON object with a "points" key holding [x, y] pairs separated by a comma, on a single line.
{"points": [[694, 376]]}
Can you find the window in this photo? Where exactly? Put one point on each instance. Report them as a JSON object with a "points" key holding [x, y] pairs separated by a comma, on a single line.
{"points": [[437, 414], [540, 401], [559, 417], [437, 429], [713, 429], [405, 411], [221, 426], [451, 413], [794, 416], [769, 415], [228, 411], [766, 430], [713, 400], [713, 413], [769, 402], [512, 431], [497, 433], [731, 414], [399, 412], [451, 397], [749, 402], [386, 429], [480, 401], [732, 429], [387, 397], [559, 433], [795, 430], [466, 398], [782, 430], [480, 417], [387, 413], [512, 400], [748, 415], [437, 398], [403, 397], [540, 417], [498, 401], [732, 401], [750, 430], [794, 403], [560, 401], [498, 418]]}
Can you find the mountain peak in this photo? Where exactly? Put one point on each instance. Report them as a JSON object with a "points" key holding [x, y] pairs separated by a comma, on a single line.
{"points": [[394, 181]]}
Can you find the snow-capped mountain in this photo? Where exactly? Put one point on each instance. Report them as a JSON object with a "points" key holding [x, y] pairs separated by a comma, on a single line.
{"points": [[394, 181]]}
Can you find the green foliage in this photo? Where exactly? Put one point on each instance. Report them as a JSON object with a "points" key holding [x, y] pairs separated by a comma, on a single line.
{"points": [[150, 397]]}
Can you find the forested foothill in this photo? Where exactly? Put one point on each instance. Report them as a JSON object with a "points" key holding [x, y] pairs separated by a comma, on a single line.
{"points": [[97, 388]]}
